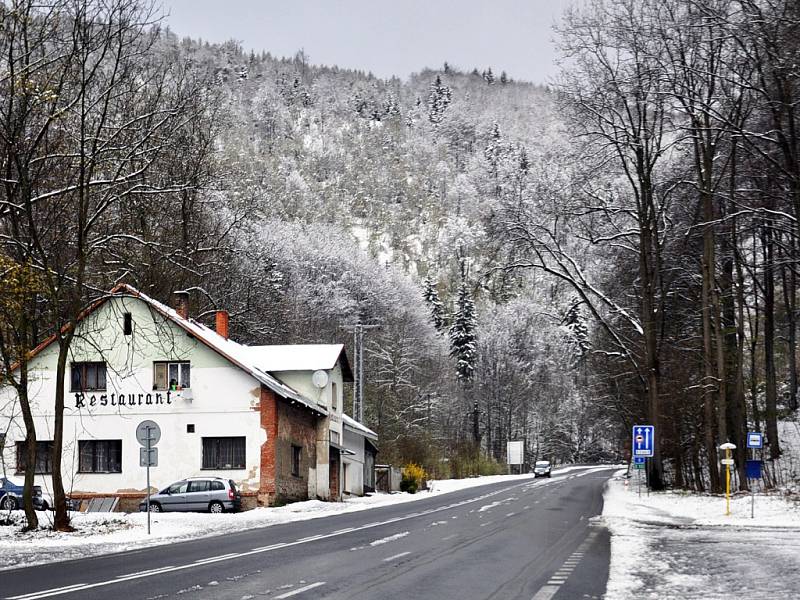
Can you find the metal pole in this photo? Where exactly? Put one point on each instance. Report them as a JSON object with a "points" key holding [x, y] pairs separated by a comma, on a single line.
{"points": [[639, 480], [355, 364], [148, 478], [360, 373]]}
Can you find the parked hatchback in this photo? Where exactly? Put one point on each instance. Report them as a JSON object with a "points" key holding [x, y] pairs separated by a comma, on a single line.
{"points": [[11, 495], [212, 494]]}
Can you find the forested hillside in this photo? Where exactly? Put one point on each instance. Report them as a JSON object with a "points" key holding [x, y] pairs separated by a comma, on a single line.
{"points": [[547, 264]]}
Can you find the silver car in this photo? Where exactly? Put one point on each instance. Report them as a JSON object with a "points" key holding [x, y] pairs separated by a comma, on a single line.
{"points": [[212, 494], [541, 468]]}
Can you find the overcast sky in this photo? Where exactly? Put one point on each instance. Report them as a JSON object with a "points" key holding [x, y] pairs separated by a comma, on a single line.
{"points": [[387, 37]]}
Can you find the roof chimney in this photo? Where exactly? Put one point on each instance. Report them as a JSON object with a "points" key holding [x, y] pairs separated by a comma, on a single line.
{"points": [[180, 299], [222, 323]]}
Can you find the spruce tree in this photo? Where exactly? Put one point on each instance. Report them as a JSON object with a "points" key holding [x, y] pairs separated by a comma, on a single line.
{"points": [[431, 297], [438, 100], [463, 334]]}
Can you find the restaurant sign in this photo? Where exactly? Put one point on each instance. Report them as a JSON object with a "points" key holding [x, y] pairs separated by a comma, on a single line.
{"points": [[84, 400]]}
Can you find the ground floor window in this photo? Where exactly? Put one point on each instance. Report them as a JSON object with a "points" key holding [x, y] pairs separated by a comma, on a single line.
{"points": [[296, 460], [43, 458], [224, 453], [100, 456]]}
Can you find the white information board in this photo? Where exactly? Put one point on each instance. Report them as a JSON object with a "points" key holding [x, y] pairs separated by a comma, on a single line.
{"points": [[515, 452]]}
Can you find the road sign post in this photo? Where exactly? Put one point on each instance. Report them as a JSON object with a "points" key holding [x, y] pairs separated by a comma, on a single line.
{"points": [[755, 441], [644, 437], [148, 433]]}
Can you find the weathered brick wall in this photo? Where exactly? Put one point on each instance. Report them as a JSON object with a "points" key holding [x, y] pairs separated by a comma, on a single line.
{"points": [[296, 427], [268, 408]]}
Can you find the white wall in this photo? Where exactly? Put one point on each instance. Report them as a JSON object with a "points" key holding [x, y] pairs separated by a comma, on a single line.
{"points": [[224, 398], [355, 473]]}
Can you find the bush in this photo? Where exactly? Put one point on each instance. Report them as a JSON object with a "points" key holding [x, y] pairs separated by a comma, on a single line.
{"points": [[413, 478]]}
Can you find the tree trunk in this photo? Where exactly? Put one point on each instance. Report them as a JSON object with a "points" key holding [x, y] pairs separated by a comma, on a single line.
{"points": [[771, 392], [61, 521]]}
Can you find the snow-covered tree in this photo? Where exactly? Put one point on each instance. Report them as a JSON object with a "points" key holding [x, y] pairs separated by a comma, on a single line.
{"points": [[431, 297], [463, 333], [438, 100]]}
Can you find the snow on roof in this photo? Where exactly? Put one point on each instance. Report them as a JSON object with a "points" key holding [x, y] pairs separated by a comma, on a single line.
{"points": [[357, 427], [300, 357], [236, 353]]}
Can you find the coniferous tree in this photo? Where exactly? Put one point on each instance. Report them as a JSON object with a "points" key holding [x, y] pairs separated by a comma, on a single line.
{"points": [[431, 297], [463, 333], [438, 101]]}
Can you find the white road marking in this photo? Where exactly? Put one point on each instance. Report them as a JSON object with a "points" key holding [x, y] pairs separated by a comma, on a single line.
{"points": [[346, 530], [310, 586], [449, 537], [310, 538], [52, 591], [396, 556], [511, 514], [266, 548], [391, 538], [546, 592], [213, 558], [148, 572]]}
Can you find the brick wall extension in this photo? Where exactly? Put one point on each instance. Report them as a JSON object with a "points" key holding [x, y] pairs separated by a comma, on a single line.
{"points": [[296, 427], [268, 407]]}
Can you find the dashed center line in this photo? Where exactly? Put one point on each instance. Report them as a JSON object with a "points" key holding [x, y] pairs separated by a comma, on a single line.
{"points": [[310, 586], [396, 556]]}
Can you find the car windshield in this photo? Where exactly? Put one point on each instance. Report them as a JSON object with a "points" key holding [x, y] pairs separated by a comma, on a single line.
{"points": [[543, 463], [178, 488]]}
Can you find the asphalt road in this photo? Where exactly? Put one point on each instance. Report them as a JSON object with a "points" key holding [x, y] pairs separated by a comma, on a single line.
{"points": [[533, 540]]}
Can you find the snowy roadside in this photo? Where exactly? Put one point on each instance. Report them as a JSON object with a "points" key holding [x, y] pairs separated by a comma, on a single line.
{"points": [[681, 546], [101, 533]]}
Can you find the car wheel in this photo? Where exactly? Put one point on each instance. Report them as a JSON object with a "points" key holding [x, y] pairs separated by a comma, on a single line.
{"points": [[548, 475], [155, 507], [216, 507], [8, 503], [45, 506]]}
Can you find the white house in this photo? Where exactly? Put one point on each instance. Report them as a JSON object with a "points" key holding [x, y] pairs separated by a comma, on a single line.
{"points": [[258, 415], [358, 463]]}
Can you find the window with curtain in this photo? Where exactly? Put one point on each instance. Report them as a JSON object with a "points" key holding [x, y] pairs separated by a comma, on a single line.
{"points": [[99, 456], [88, 377], [224, 453]]}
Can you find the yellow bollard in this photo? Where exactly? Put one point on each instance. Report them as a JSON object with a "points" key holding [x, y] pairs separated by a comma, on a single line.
{"points": [[727, 461]]}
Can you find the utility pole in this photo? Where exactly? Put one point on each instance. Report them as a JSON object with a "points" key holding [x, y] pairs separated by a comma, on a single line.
{"points": [[358, 364]]}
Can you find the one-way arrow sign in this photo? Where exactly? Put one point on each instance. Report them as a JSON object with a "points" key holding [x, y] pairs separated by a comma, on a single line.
{"points": [[643, 439]]}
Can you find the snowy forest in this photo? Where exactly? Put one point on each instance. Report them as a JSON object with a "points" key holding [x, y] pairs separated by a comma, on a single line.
{"points": [[549, 263]]}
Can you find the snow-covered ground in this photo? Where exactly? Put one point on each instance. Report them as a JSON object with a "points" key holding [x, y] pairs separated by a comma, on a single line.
{"points": [[681, 546], [100, 533]]}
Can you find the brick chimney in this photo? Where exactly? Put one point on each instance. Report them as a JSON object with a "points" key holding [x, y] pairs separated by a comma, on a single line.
{"points": [[222, 323], [180, 301]]}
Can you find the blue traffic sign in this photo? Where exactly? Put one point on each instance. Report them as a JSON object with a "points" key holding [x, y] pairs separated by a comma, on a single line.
{"points": [[638, 460], [755, 440], [752, 469], [643, 440]]}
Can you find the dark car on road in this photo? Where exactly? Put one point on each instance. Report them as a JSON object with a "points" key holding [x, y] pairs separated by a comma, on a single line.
{"points": [[212, 494], [11, 495]]}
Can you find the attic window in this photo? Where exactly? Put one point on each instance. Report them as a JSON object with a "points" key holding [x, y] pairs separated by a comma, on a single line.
{"points": [[127, 324]]}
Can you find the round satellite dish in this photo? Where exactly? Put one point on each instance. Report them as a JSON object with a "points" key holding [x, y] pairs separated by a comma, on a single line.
{"points": [[320, 378]]}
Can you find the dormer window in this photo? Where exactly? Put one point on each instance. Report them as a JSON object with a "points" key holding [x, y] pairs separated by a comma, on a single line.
{"points": [[171, 375]]}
